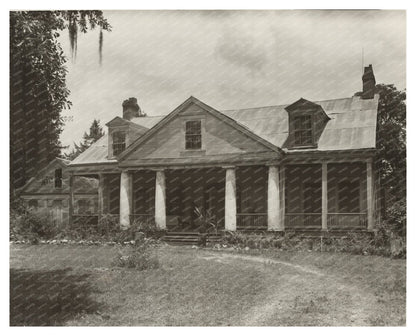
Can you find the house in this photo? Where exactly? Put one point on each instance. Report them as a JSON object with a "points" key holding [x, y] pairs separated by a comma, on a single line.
{"points": [[49, 191], [303, 166]]}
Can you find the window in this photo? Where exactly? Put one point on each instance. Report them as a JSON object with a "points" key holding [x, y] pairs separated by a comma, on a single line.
{"points": [[58, 178], [303, 130], [193, 134], [119, 142]]}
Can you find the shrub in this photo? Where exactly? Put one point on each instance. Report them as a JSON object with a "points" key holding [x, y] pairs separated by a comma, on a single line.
{"points": [[147, 227], [108, 225], [139, 256], [32, 225]]}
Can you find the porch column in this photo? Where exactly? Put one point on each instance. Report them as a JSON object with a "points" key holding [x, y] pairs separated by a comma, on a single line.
{"points": [[230, 199], [126, 193], [160, 200], [273, 200], [324, 196], [100, 195], [71, 200], [370, 201]]}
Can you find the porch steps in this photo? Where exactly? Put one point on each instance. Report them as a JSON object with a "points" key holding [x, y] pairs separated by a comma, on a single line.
{"points": [[188, 238]]}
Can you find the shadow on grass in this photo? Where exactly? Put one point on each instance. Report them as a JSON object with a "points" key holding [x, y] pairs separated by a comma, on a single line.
{"points": [[48, 298]]}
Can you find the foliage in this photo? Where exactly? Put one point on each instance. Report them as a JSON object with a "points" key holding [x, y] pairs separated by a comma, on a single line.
{"points": [[95, 133], [32, 225], [38, 91], [206, 220], [139, 256], [391, 153], [382, 242]]}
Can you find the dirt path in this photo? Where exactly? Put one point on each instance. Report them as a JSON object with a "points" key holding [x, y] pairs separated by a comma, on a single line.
{"points": [[306, 291]]}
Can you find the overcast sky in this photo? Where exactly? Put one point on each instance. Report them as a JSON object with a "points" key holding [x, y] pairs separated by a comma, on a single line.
{"points": [[229, 59]]}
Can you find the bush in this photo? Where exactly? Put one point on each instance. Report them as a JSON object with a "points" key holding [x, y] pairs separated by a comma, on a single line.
{"points": [[32, 225], [139, 256], [396, 217]]}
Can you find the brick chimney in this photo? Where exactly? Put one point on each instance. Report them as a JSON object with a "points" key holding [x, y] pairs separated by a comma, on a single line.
{"points": [[131, 109], [369, 83]]}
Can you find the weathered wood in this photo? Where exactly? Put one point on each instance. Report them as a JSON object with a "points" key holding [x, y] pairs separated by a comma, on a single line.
{"points": [[370, 196], [282, 196], [230, 200], [71, 200], [100, 196], [324, 196]]}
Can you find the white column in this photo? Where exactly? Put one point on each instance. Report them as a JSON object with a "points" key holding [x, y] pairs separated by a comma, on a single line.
{"points": [[324, 196], [370, 201], [126, 200], [273, 200], [230, 200], [160, 200]]}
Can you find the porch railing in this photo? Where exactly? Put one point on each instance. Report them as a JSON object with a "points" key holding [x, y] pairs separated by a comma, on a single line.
{"points": [[247, 221], [347, 220], [303, 220]]}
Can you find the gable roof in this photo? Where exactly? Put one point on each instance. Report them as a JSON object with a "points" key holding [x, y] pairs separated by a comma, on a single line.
{"points": [[61, 162], [352, 125], [192, 100]]}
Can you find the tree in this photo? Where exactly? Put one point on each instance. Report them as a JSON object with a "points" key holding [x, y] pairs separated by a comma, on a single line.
{"points": [[391, 152], [38, 91], [96, 132]]}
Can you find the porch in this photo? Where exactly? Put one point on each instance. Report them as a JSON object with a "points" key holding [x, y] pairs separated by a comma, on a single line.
{"points": [[321, 197]]}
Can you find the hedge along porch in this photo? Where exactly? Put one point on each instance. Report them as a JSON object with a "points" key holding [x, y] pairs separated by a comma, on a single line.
{"points": [[307, 165]]}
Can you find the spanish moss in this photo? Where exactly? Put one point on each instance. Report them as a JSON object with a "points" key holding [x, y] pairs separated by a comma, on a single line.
{"points": [[73, 37], [100, 46]]}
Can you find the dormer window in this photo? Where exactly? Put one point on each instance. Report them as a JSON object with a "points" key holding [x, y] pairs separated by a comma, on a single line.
{"points": [[193, 139], [119, 142], [303, 130], [307, 121]]}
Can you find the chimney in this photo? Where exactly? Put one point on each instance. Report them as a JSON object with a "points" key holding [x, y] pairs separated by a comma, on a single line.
{"points": [[131, 109], [369, 83]]}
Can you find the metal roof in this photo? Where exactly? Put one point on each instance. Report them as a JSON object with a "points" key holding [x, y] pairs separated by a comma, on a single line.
{"points": [[352, 125]]}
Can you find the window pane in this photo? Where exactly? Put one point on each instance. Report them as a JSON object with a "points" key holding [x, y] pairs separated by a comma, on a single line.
{"points": [[193, 127], [118, 148], [193, 134], [303, 130], [193, 141], [119, 142]]}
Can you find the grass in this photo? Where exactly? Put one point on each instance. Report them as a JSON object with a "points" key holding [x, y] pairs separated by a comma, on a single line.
{"points": [[77, 285]]}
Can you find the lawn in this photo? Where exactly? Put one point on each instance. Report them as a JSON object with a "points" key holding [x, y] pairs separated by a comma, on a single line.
{"points": [[78, 285]]}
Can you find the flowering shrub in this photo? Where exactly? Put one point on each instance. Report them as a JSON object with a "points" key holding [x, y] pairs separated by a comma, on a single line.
{"points": [[140, 256]]}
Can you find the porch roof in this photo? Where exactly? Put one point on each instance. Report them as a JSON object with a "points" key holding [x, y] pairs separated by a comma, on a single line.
{"points": [[352, 126]]}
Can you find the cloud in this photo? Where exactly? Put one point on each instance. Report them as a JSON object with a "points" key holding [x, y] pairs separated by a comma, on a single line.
{"points": [[241, 50]]}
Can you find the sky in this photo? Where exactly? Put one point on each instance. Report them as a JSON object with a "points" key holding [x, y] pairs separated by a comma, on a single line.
{"points": [[229, 60]]}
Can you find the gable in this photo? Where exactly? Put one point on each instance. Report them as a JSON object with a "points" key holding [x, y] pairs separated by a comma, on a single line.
{"points": [[220, 139], [44, 181]]}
